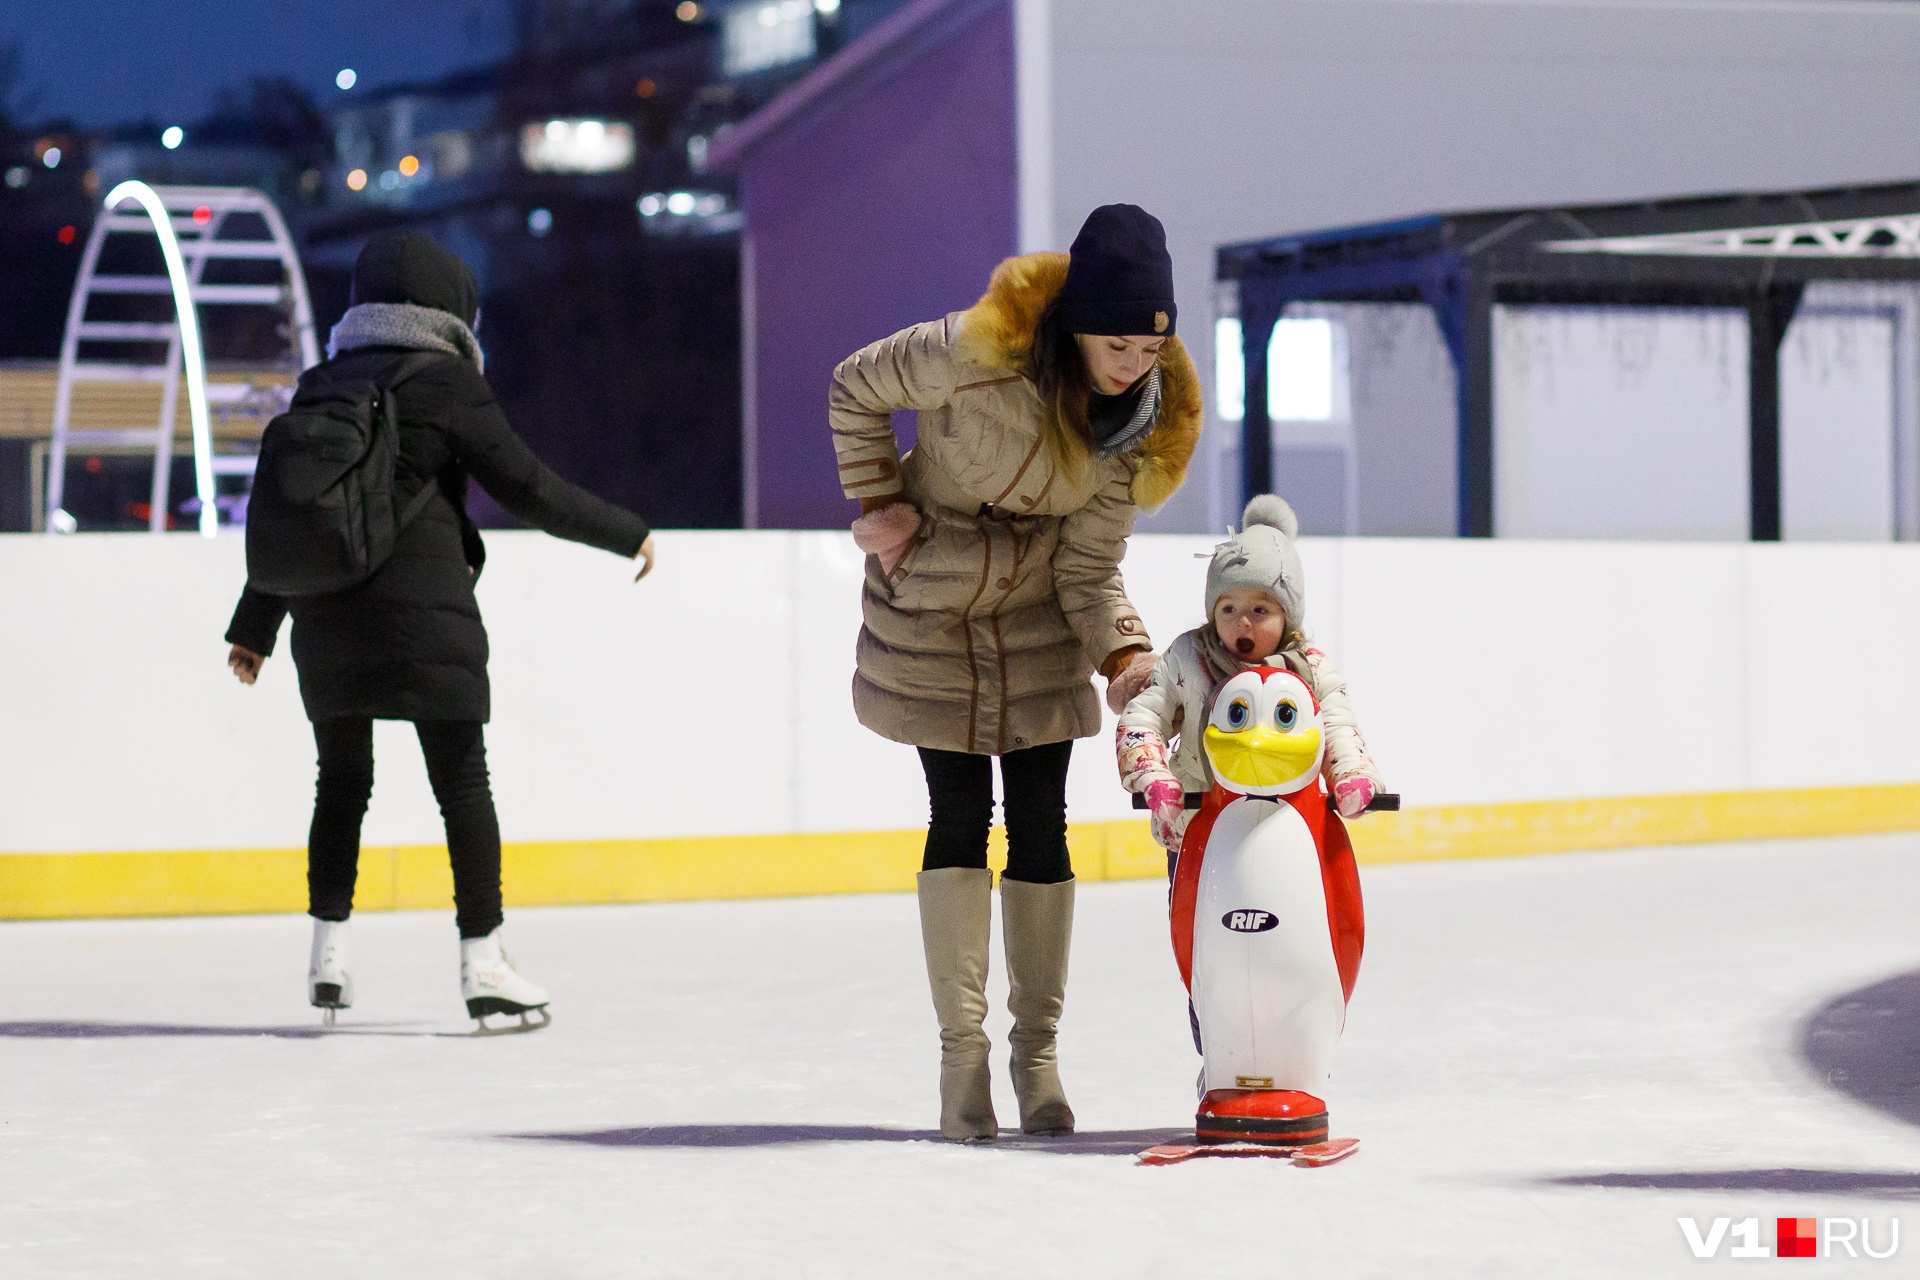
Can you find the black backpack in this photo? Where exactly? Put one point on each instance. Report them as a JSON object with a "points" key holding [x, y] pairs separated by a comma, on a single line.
{"points": [[322, 516]]}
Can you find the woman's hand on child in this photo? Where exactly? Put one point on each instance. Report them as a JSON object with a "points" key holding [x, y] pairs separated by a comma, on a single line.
{"points": [[886, 531], [1353, 796], [1127, 679], [245, 664]]}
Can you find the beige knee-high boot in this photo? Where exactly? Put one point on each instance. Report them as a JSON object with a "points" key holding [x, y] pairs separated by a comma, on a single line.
{"points": [[1037, 923], [956, 915]]}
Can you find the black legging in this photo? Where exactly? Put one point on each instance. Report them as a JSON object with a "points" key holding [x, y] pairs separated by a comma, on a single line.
{"points": [[457, 766], [1033, 785]]}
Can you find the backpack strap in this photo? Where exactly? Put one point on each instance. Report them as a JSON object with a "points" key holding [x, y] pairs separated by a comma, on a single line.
{"points": [[409, 366], [412, 510]]}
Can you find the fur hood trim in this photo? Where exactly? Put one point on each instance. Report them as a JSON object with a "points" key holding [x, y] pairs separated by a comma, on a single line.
{"points": [[997, 332]]}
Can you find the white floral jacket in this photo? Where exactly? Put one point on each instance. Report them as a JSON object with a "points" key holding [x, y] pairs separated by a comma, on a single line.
{"points": [[1152, 745]]}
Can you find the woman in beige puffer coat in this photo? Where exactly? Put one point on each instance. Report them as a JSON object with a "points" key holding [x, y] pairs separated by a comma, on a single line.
{"points": [[1050, 414]]}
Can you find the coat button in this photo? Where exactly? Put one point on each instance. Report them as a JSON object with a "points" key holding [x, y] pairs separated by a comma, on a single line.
{"points": [[1003, 584]]}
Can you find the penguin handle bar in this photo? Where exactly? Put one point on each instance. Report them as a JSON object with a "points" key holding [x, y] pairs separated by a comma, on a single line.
{"points": [[1383, 802]]}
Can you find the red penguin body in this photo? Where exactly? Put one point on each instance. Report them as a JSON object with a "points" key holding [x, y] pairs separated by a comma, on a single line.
{"points": [[1339, 877]]}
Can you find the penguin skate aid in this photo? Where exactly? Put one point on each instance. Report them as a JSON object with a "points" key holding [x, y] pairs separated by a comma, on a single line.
{"points": [[377, 565], [1244, 748]]}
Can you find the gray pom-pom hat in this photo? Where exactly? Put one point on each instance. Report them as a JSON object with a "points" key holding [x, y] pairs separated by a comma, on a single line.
{"points": [[1262, 557]]}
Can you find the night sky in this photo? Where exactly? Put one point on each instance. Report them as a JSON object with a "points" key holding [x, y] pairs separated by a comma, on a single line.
{"points": [[102, 62]]}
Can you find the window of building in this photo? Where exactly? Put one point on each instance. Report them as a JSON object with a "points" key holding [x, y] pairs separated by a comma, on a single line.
{"points": [[769, 34], [1306, 370]]}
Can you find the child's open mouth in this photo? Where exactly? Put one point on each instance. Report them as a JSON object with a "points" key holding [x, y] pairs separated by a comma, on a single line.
{"points": [[1244, 645]]}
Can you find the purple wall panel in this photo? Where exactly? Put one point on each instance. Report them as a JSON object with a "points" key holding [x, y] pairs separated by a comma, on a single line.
{"points": [[887, 206]]}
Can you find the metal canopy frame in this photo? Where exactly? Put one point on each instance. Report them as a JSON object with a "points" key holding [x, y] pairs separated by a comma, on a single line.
{"points": [[1840, 238], [1755, 252], [188, 222]]}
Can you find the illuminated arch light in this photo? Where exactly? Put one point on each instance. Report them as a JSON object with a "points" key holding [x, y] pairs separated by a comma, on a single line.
{"points": [[191, 352]]}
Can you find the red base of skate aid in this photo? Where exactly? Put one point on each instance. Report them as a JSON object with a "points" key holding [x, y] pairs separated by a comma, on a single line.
{"points": [[1278, 1117]]}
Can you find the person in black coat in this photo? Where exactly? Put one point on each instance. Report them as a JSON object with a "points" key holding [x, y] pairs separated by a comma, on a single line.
{"points": [[408, 643]]}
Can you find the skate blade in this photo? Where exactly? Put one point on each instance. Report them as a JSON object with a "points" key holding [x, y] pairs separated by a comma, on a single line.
{"points": [[1312, 1156], [525, 1024], [481, 1006]]}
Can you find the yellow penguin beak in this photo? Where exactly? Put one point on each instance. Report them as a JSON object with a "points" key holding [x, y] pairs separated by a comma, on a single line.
{"points": [[1261, 757]]}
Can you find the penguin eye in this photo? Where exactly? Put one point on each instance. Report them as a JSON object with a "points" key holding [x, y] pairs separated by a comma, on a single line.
{"points": [[1239, 711], [1286, 715]]}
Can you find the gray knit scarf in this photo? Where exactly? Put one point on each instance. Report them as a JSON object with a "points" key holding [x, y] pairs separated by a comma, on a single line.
{"points": [[401, 324], [1223, 663]]}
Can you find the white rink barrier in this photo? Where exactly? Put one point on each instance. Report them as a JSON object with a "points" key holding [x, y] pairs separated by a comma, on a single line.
{"points": [[712, 699]]}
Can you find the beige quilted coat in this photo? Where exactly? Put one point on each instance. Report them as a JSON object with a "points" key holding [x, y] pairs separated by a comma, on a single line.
{"points": [[984, 637]]}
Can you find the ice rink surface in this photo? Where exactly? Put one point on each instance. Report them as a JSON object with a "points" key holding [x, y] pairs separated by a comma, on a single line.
{"points": [[1549, 1060]]}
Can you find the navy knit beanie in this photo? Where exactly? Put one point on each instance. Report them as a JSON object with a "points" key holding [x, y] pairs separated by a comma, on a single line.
{"points": [[1119, 276]]}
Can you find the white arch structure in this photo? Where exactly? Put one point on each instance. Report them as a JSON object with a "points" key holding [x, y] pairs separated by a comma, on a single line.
{"points": [[191, 353], [205, 208]]}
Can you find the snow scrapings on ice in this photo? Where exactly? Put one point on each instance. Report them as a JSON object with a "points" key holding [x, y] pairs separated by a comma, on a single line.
{"points": [[1548, 1060]]}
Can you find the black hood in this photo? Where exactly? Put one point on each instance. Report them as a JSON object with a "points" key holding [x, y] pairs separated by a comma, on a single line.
{"points": [[405, 266]]}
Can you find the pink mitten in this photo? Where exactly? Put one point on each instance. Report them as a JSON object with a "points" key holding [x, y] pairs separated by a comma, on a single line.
{"points": [[1167, 801], [1165, 793], [886, 531], [1353, 796], [1127, 684]]}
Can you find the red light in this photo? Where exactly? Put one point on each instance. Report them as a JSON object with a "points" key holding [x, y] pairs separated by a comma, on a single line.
{"points": [[93, 466], [67, 234], [203, 215]]}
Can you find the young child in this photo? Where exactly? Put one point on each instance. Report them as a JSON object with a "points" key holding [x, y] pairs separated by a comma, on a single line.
{"points": [[1256, 607]]}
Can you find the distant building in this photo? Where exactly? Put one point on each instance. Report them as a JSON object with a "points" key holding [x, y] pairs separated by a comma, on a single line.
{"points": [[970, 129], [573, 178]]}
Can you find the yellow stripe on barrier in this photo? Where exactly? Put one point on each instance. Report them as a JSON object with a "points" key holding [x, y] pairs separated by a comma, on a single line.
{"points": [[1515, 829], [416, 877]]}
